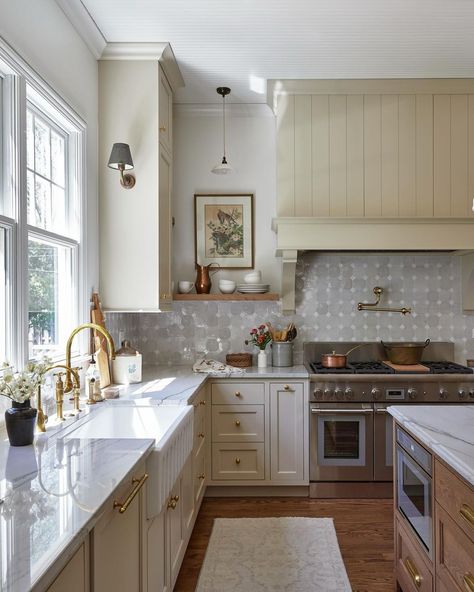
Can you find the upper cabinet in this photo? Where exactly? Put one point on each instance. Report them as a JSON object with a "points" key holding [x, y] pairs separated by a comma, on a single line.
{"points": [[135, 107], [376, 149]]}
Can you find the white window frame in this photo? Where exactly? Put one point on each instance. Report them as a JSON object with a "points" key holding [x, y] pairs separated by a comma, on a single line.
{"points": [[22, 85]]}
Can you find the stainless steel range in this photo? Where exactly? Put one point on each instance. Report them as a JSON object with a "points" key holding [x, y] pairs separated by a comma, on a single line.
{"points": [[350, 429]]}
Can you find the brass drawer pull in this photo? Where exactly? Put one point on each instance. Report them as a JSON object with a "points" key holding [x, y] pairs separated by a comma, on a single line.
{"points": [[201, 435], [237, 461], [237, 394], [131, 496], [468, 514], [237, 422], [202, 476], [415, 576], [468, 580]]}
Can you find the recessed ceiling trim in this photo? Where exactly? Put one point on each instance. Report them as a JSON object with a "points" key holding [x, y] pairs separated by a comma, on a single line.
{"points": [[87, 28]]}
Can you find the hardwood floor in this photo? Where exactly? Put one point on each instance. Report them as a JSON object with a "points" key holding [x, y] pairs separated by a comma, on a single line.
{"points": [[364, 531]]}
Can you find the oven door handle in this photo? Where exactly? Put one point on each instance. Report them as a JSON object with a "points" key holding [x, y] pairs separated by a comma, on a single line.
{"points": [[339, 411]]}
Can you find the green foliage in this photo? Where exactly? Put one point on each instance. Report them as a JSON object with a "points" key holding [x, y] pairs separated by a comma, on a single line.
{"points": [[227, 235], [41, 294]]}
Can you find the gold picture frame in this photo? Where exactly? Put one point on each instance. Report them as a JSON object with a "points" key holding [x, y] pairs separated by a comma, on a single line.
{"points": [[224, 230]]}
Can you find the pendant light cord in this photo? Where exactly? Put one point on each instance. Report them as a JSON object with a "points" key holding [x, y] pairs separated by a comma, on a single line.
{"points": [[223, 111]]}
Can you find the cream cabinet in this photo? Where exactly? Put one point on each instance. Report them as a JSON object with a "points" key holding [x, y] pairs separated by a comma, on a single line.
{"points": [[75, 575], [116, 540], [135, 107], [259, 432], [375, 149]]}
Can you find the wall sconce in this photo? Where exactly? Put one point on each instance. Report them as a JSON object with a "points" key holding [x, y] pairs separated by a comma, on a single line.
{"points": [[121, 159]]}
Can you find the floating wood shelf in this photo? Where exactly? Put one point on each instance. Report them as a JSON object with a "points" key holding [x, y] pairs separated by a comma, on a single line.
{"points": [[235, 296]]}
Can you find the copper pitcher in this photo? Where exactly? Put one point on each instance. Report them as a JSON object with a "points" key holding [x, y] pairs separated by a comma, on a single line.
{"points": [[203, 278]]}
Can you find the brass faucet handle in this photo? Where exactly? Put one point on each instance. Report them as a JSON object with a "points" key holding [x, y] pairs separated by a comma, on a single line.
{"points": [[59, 396], [77, 394]]}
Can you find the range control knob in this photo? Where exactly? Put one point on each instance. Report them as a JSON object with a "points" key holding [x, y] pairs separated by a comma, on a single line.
{"points": [[443, 394], [328, 393], [412, 393], [462, 393], [318, 393], [339, 394], [349, 393], [471, 394], [376, 393]]}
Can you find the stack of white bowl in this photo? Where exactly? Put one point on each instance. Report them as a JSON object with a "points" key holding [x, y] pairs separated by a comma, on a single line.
{"points": [[227, 286], [253, 284]]}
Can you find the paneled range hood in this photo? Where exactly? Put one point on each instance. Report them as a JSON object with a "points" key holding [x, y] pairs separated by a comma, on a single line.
{"points": [[373, 165]]}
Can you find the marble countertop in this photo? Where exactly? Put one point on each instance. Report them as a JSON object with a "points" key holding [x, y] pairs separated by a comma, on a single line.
{"points": [[447, 430], [52, 494]]}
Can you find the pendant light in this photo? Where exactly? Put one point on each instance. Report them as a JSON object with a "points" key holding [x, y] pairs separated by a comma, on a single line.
{"points": [[223, 168]]}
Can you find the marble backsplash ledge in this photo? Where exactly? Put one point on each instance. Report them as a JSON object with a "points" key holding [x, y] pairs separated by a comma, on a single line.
{"points": [[328, 288]]}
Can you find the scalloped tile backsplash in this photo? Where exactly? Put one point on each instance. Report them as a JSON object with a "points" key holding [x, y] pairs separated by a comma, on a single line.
{"points": [[328, 288]]}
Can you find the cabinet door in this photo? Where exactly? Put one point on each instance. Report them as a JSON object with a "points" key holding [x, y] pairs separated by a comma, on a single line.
{"points": [[116, 544], [157, 567], [174, 518], [287, 432], [187, 495], [165, 99], [75, 576], [165, 230]]}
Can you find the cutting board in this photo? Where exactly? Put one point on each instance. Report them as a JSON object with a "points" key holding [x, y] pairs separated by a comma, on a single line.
{"points": [[408, 368], [100, 341]]}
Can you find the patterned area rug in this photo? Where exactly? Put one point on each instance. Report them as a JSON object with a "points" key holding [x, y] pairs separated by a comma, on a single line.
{"points": [[273, 555]]}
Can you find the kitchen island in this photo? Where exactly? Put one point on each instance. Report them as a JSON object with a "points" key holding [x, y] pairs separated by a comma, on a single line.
{"points": [[434, 497]]}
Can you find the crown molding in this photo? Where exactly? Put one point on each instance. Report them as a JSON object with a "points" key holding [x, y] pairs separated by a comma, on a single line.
{"points": [[84, 24], [215, 109], [157, 51]]}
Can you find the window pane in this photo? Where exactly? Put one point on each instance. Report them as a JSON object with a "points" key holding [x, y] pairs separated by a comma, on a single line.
{"points": [[30, 144], [42, 149], [41, 213], [57, 158], [58, 209], [50, 298]]}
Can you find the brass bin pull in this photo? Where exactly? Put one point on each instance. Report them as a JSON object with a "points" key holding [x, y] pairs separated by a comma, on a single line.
{"points": [[468, 580], [131, 496], [415, 576], [468, 514]]}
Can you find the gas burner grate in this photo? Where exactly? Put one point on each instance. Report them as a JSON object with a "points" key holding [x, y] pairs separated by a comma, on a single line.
{"points": [[318, 368], [447, 368], [371, 367]]}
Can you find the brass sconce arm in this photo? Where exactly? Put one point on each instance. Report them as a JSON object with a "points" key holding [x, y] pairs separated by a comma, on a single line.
{"points": [[374, 306]]}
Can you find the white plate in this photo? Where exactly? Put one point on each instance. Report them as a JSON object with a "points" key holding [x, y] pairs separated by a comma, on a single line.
{"points": [[253, 286], [259, 291]]}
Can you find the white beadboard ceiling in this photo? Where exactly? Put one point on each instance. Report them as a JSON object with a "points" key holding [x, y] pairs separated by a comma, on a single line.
{"points": [[242, 43]]}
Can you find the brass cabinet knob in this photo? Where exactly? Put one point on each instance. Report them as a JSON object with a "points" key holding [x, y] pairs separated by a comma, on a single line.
{"points": [[287, 387], [172, 504], [201, 435], [237, 394], [202, 402], [176, 498], [202, 476], [162, 128], [237, 422], [237, 461]]}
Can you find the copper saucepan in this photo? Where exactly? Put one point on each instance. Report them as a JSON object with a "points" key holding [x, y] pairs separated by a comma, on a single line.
{"points": [[334, 360]]}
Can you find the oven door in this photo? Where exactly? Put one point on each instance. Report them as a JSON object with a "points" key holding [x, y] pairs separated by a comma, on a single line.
{"points": [[383, 443], [341, 442], [414, 496]]}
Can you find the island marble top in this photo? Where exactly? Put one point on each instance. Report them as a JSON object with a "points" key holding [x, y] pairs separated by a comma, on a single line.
{"points": [[447, 430]]}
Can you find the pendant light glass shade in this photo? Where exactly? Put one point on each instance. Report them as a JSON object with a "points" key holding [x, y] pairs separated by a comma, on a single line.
{"points": [[223, 168]]}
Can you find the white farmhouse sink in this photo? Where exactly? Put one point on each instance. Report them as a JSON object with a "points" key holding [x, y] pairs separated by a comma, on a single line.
{"points": [[170, 426]]}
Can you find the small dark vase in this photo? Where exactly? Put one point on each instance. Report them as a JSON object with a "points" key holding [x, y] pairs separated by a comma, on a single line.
{"points": [[20, 421]]}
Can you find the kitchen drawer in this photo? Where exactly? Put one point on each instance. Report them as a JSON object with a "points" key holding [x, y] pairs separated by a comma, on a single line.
{"points": [[243, 393], [411, 568], [456, 498], [238, 423], [454, 553], [238, 461]]}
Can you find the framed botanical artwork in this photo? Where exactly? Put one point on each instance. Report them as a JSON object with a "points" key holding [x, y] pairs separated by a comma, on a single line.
{"points": [[224, 230]]}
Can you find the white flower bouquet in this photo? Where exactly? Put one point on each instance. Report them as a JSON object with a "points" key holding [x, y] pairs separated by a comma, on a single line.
{"points": [[20, 386]]}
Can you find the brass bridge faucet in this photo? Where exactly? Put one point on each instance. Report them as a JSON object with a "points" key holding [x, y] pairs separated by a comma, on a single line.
{"points": [[42, 418], [110, 342]]}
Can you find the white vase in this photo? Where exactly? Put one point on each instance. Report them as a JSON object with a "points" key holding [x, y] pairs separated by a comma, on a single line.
{"points": [[262, 359]]}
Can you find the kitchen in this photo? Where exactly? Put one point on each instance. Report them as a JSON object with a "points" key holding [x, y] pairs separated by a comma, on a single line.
{"points": [[329, 226]]}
